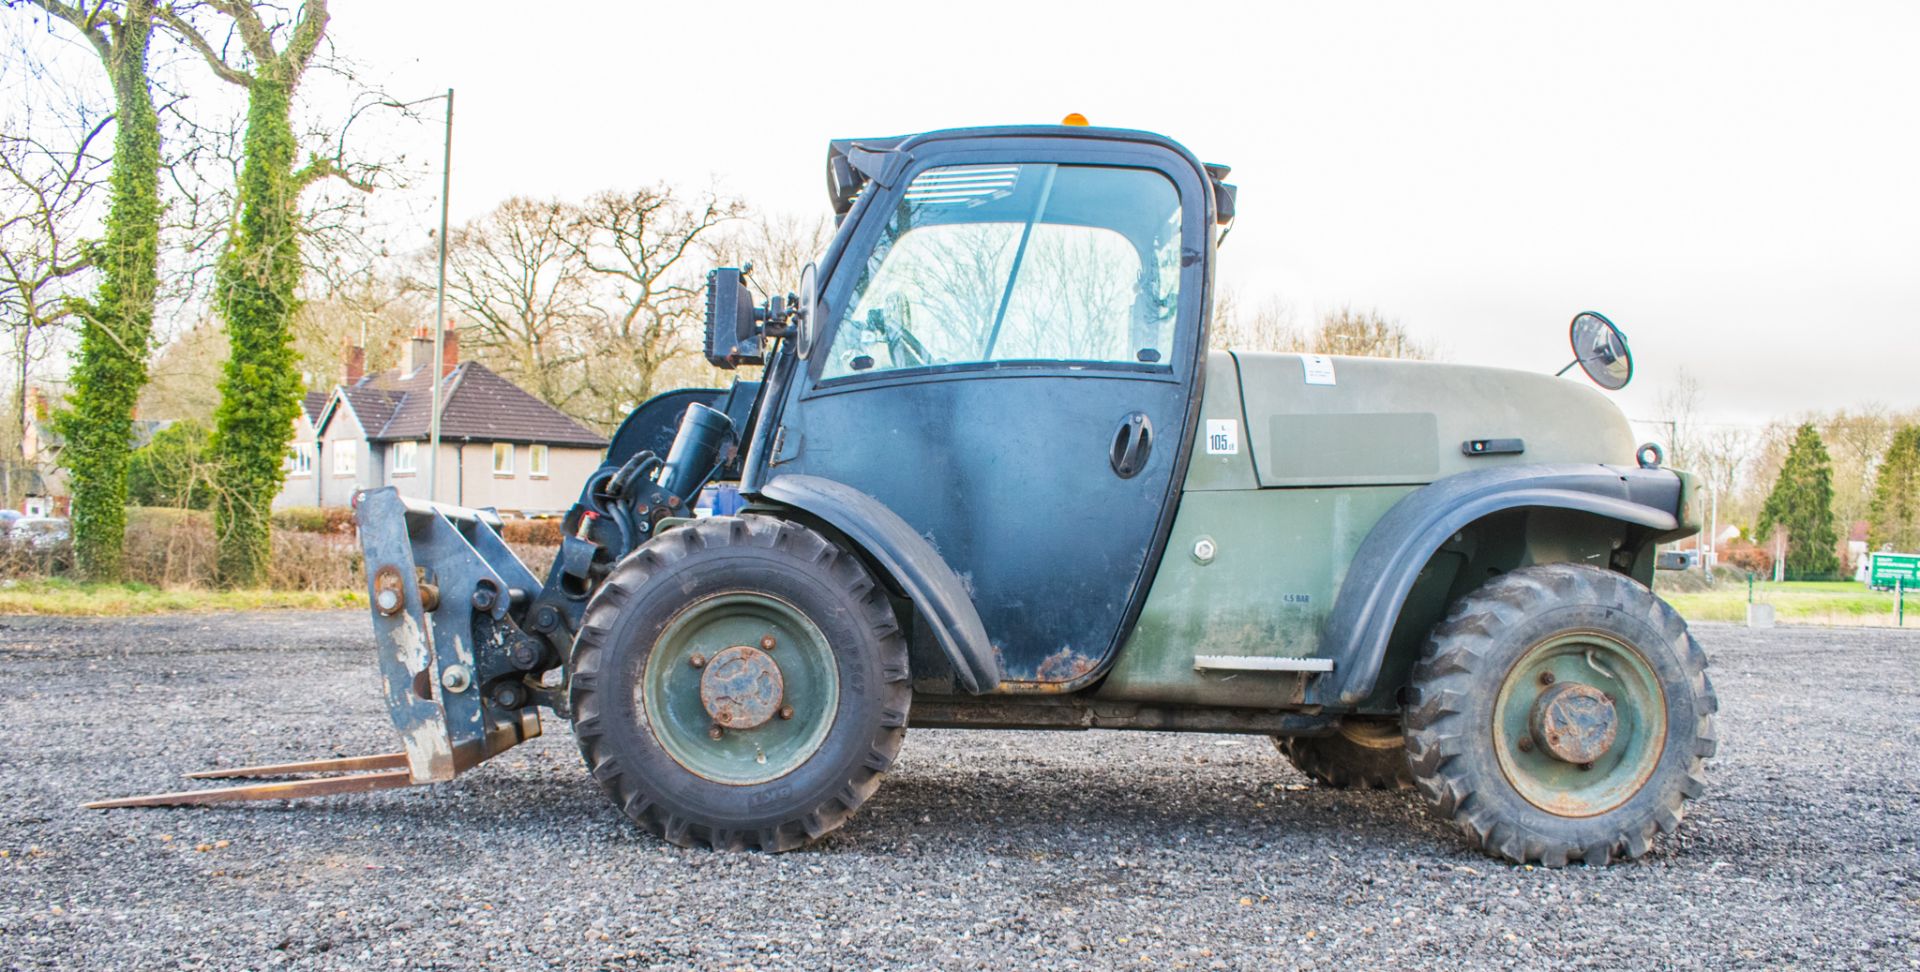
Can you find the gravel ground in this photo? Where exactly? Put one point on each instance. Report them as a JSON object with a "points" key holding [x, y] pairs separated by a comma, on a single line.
{"points": [[982, 850]]}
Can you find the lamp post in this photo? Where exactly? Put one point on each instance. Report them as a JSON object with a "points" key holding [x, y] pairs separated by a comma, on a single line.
{"points": [[440, 316]]}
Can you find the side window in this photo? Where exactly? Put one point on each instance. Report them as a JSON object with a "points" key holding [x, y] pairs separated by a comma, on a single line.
{"points": [[503, 458], [1005, 263]]}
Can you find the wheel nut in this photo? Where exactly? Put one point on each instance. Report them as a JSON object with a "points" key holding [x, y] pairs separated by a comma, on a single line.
{"points": [[698, 660], [715, 732], [1546, 678], [1525, 744], [786, 712], [766, 643]]}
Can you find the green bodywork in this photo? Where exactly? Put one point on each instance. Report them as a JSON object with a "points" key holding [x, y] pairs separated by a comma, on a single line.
{"points": [[1273, 511]]}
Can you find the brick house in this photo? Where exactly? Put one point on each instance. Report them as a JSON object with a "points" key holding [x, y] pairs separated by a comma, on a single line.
{"points": [[499, 445]]}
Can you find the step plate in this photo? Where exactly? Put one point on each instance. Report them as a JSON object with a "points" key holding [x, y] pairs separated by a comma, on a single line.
{"points": [[1236, 663]]}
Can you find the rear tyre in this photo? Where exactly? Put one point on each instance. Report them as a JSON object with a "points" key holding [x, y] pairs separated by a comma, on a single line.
{"points": [[1363, 754], [1561, 712], [740, 682]]}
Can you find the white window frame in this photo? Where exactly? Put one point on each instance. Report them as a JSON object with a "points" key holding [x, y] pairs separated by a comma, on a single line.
{"points": [[346, 461], [300, 460], [503, 471], [537, 462], [406, 458]]}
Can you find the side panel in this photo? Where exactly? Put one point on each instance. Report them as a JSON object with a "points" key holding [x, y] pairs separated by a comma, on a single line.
{"points": [[1279, 557], [1374, 421]]}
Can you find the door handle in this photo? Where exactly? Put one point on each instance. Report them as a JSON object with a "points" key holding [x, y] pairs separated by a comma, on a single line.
{"points": [[1132, 444]]}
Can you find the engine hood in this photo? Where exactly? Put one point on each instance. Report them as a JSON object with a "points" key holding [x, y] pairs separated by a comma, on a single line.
{"points": [[1379, 421]]}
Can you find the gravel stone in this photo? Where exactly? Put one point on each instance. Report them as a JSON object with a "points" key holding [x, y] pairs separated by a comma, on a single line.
{"points": [[982, 850]]}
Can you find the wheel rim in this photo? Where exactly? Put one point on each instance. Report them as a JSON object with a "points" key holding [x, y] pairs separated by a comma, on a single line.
{"points": [[1579, 724], [740, 688]]}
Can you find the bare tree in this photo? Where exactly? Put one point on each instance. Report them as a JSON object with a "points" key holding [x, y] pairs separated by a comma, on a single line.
{"points": [[1365, 334], [53, 172], [1857, 439], [373, 312], [1679, 406], [778, 246], [1268, 326], [643, 248], [525, 294]]}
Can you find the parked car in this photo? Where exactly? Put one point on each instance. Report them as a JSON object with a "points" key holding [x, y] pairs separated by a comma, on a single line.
{"points": [[7, 518], [40, 532]]}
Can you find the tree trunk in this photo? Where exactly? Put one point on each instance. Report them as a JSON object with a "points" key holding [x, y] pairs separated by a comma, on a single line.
{"points": [[117, 328], [260, 393]]}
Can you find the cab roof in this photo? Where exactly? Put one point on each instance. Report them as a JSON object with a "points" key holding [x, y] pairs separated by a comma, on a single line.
{"points": [[853, 162]]}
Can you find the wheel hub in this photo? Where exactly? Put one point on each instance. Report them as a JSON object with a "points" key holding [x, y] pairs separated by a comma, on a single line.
{"points": [[741, 687], [1573, 723]]}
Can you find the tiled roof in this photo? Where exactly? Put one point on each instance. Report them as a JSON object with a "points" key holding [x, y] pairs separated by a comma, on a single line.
{"points": [[478, 405], [315, 402], [373, 406]]}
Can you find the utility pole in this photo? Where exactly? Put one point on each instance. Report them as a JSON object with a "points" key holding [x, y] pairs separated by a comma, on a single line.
{"points": [[440, 316]]}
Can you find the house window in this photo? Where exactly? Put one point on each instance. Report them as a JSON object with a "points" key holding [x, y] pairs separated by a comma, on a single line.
{"points": [[503, 458], [300, 459], [343, 458], [537, 461], [403, 457]]}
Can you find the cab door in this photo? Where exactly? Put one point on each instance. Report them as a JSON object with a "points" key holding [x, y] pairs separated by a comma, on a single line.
{"points": [[1007, 360]]}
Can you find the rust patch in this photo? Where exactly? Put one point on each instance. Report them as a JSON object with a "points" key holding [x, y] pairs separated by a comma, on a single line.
{"points": [[1064, 665]]}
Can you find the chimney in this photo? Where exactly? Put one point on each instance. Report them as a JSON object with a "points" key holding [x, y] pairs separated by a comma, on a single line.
{"points": [[419, 349], [356, 364], [450, 346]]}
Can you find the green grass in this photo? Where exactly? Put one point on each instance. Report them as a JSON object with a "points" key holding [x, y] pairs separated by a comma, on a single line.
{"points": [[1796, 602], [65, 597]]}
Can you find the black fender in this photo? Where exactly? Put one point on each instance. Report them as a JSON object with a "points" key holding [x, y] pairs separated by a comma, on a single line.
{"points": [[651, 425], [912, 563], [1398, 547]]}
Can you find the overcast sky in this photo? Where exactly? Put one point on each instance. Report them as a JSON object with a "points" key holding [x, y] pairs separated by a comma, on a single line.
{"points": [[1734, 184]]}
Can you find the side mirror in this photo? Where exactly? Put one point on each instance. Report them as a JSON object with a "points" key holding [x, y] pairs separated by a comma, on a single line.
{"points": [[1600, 350], [733, 336], [807, 308]]}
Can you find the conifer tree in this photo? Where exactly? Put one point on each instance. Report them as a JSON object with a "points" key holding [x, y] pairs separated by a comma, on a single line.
{"points": [[1801, 504]]}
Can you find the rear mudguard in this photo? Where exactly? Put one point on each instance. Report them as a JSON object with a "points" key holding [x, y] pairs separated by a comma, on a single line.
{"points": [[912, 563], [1399, 546]]}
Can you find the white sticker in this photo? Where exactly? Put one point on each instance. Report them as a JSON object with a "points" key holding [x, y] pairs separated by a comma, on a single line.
{"points": [[1223, 437], [1319, 369]]}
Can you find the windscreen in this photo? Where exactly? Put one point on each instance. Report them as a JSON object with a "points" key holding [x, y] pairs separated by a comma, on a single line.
{"points": [[1017, 263]]}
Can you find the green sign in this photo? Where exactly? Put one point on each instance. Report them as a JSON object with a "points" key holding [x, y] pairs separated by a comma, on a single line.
{"points": [[1886, 568]]}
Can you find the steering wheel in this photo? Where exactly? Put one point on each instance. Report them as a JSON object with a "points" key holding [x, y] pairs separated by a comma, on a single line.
{"points": [[902, 347]]}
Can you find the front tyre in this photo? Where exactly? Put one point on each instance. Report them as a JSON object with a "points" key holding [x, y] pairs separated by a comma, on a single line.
{"points": [[740, 682], [1561, 712]]}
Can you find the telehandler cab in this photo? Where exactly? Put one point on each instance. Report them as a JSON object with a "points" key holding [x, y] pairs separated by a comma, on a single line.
{"points": [[995, 478]]}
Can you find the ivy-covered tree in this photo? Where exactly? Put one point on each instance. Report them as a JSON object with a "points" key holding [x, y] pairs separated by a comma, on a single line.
{"points": [[116, 326], [259, 272], [1894, 519], [1802, 505]]}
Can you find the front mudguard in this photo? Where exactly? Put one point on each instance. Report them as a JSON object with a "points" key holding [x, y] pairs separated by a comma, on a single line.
{"points": [[909, 561]]}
